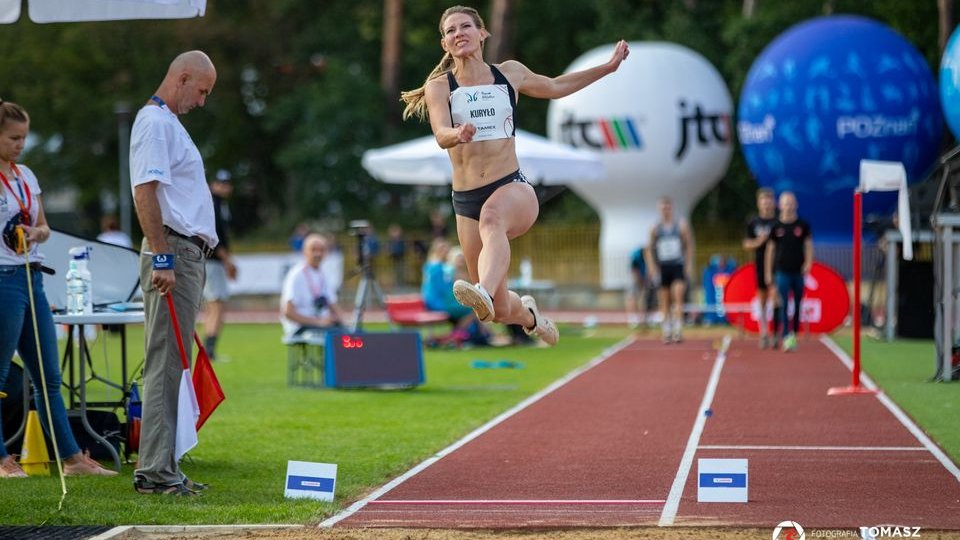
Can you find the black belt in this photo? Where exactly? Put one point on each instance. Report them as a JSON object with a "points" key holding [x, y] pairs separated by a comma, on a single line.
{"points": [[195, 240], [37, 267]]}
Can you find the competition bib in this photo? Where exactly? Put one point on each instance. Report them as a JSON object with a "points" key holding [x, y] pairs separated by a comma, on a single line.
{"points": [[669, 248], [487, 107]]}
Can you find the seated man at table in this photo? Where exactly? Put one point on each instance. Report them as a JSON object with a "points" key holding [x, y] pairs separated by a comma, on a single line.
{"points": [[308, 300]]}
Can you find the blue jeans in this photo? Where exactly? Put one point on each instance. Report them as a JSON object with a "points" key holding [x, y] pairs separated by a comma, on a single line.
{"points": [[788, 282], [16, 333]]}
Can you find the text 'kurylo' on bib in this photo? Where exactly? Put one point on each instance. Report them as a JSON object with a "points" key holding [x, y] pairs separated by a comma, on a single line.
{"points": [[487, 107]]}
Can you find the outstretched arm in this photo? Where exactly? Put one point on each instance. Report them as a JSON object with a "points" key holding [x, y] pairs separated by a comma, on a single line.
{"points": [[540, 86]]}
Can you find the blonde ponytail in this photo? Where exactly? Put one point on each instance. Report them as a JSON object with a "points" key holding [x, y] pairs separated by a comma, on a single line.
{"points": [[416, 99]]}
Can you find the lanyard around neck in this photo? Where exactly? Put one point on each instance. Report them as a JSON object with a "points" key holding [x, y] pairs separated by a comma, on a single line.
{"points": [[316, 289], [156, 99], [24, 200]]}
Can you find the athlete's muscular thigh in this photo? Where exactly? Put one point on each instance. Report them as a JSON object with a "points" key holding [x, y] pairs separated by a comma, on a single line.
{"points": [[512, 208]]}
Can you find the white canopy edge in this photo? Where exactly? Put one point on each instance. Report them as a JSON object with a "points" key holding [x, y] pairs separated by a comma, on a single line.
{"points": [[53, 11]]}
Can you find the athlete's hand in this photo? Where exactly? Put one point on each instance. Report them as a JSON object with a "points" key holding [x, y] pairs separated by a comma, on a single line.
{"points": [[620, 53], [465, 133]]}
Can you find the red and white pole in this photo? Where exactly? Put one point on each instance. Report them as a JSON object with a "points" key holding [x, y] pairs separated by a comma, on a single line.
{"points": [[857, 253], [855, 387]]}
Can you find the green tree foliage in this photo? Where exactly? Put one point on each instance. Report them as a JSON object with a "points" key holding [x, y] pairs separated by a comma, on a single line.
{"points": [[298, 96]]}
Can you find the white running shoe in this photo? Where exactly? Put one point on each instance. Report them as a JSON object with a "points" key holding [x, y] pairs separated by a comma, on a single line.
{"points": [[542, 326], [474, 297]]}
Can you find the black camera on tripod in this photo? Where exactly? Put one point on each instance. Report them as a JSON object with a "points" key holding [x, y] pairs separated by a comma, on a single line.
{"points": [[360, 228]]}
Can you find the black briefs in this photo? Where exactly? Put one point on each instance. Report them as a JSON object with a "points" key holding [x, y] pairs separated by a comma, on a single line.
{"points": [[468, 203]]}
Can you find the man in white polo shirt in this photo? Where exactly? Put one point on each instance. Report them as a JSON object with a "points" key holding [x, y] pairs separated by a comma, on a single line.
{"points": [[308, 300], [175, 210]]}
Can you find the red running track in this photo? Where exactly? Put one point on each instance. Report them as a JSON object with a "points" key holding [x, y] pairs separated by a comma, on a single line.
{"points": [[617, 446]]}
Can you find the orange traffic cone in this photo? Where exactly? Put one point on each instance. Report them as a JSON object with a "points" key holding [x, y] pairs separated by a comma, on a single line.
{"points": [[34, 458]]}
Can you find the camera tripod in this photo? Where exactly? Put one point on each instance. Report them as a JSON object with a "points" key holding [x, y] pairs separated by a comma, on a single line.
{"points": [[368, 283]]}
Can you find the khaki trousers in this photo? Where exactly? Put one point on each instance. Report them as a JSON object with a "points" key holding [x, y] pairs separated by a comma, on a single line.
{"points": [[162, 365]]}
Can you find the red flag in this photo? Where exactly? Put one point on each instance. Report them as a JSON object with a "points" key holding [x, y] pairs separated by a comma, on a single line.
{"points": [[188, 411], [205, 384]]}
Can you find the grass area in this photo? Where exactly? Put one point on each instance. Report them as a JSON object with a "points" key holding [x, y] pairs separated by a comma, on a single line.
{"points": [[371, 435], [904, 369]]}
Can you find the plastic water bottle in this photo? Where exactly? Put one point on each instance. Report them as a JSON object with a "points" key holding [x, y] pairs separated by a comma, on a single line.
{"points": [[76, 290], [79, 283], [526, 272]]}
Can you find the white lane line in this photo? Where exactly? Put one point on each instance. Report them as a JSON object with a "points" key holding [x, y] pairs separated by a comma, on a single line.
{"points": [[896, 411], [816, 448], [519, 501], [355, 507], [676, 491], [138, 531]]}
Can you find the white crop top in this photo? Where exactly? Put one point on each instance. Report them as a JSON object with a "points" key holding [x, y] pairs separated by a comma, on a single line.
{"points": [[489, 107]]}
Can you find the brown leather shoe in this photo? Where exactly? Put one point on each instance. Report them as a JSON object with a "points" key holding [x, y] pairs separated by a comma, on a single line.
{"points": [[9, 468], [83, 465]]}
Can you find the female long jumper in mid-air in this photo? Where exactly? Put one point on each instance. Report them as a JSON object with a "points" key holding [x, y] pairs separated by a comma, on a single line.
{"points": [[471, 107]]}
